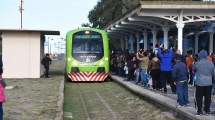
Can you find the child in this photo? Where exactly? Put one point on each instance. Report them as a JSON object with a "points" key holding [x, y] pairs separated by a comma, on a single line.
{"points": [[126, 71]]}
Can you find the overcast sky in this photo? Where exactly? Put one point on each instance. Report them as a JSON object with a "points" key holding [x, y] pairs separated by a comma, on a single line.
{"points": [[62, 15]]}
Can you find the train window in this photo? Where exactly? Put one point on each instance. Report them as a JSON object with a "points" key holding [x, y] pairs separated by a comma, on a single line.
{"points": [[87, 47], [87, 44]]}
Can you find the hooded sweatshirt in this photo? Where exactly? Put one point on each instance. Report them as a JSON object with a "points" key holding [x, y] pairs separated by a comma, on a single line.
{"points": [[204, 70], [166, 60]]}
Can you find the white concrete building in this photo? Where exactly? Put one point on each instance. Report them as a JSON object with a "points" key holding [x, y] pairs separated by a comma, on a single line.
{"points": [[22, 51]]}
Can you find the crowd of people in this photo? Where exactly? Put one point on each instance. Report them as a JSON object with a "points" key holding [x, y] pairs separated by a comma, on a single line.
{"points": [[164, 66]]}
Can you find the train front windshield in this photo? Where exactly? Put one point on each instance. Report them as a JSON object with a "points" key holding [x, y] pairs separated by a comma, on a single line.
{"points": [[87, 46]]}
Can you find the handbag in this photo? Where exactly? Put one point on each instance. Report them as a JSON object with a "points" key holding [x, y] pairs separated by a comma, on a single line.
{"points": [[3, 83]]}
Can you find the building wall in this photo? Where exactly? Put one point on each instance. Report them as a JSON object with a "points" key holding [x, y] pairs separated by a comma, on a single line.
{"points": [[42, 69], [21, 54]]}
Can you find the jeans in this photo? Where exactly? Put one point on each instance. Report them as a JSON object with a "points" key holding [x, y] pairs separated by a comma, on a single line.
{"points": [[182, 92], [1, 111], [141, 73]]}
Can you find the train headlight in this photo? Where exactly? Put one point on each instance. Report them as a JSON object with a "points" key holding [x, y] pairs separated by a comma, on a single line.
{"points": [[101, 63], [69, 59], [106, 58], [75, 63], [87, 32]]}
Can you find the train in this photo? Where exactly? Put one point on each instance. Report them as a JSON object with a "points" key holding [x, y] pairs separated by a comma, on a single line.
{"points": [[87, 55]]}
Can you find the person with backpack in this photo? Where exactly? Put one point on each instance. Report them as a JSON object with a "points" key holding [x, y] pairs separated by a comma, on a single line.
{"points": [[46, 61]]}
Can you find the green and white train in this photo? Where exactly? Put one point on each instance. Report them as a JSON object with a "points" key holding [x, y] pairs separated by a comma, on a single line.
{"points": [[87, 55]]}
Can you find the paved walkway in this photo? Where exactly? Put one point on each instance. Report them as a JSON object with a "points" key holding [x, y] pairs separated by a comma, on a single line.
{"points": [[168, 100]]}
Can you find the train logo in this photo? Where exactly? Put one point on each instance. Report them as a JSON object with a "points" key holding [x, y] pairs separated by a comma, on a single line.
{"points": [[88, 60]]}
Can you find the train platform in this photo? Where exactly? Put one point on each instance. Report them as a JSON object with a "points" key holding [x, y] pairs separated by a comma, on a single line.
{"points": [[168, 100]]}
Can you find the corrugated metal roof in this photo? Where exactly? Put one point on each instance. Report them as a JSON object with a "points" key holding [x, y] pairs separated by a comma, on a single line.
{"points": [[44, 32]]}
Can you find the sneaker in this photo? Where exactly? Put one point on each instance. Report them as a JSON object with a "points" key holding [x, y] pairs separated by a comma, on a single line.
{"points": [[178, 106], [199, 113], [208, 113], [186, 105]]}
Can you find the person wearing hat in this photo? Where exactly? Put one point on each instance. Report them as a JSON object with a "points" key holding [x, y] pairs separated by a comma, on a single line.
{"points": [[180, 78], [204, 70]]}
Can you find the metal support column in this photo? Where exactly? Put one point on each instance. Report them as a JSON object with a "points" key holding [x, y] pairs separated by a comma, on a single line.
{"points": [[211, 42], [154, 33], [132, 43], [138, 41], [145, 34], [196, 43], [180, 26]]}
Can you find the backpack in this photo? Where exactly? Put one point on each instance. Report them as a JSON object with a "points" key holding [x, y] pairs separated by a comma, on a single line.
{"points": [[42, 61]]}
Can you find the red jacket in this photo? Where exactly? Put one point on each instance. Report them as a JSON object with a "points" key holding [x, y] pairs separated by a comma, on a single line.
{"points": [[2, 95]]}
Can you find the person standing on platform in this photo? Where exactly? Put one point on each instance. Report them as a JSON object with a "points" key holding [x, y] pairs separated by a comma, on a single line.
{"points": [[131, 64], [205, 71], [154, 71], [180, 77], [166, 67], [189, 61], [46, 61], [144, 61]]}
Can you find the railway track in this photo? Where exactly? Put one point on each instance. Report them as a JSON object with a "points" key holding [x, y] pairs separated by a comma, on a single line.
{"points": [[107, 101]]}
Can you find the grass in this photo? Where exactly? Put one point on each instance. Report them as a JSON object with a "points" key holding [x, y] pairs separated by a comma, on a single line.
{"points": [[34, 99], [106, 101]]}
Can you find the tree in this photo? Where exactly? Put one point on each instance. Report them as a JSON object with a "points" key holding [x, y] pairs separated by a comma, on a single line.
{"points": [[107, 10], [85, 25]]}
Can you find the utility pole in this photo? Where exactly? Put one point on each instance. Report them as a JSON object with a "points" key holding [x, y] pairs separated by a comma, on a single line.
{"points": [[20, 9]]}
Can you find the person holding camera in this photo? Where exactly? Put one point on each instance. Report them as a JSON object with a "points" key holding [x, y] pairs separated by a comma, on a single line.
{"points": [[166, 67], [143, 65]]}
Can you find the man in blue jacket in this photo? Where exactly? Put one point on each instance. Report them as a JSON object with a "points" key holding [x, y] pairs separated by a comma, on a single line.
{"points": [[180, 78], [166, 68]]}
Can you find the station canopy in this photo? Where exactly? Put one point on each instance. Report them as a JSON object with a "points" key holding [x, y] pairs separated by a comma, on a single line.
{"points": [[159, 16]]}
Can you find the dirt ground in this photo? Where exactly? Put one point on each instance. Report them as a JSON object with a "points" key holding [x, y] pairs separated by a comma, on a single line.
{"points": [[34, 99]]}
